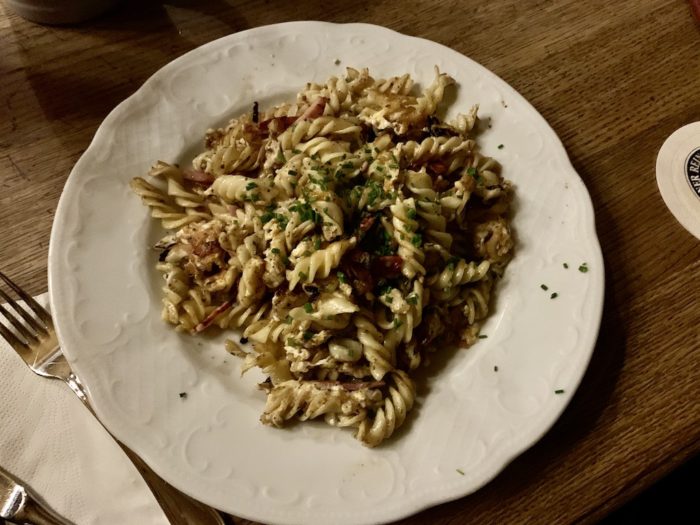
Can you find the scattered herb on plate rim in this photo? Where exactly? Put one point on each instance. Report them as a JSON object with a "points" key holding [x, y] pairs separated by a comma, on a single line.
{"points": [[559, 391], [583, 268], [544, 287]]}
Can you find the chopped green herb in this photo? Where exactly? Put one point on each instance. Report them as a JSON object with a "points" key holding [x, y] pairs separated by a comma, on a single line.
{"points": [[566, 266], [500, 146], [495, 368], [317, 243], [411, 213], [560, 391], [417, 240], [244, 340], [397, 322], [183, 395], [342, 278], [554, 295], [347, 165], [583, 268], [460, 471], [251, 185], [389, 299], [276, 251], [293, 173], [472, 172], [379, 168], [308, 308], [544, 287], [484, 336], [296, 151], [308, 334], [303, 276], [288, 319], [412, 298]]}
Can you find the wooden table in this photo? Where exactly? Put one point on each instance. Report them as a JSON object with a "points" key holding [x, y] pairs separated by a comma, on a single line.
{"points": [[614, 79]]}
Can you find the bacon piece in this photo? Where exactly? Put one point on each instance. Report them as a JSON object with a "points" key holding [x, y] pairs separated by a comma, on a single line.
{"points": [[209, 319], [437, 167], [357, 265], [198, 176], [387, 266], [280, 124], [314, 110]]}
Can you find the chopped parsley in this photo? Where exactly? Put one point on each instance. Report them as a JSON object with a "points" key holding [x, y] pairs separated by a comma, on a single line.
{"points": [[251, 185], [293, 173], [560, 391], [317, 243], [308, 308], [544, 287], [183, 395], [412, 298], [500, 146], [583, 268], [472, 172], [342, 278], [276, 251], [397, 322], [495, 368], [483, 336], [411, 213], [417, 240], [554, 295], [308, 334], [566, 266]]}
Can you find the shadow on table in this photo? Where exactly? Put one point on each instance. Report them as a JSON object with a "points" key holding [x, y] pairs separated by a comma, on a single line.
{"points": [[76, 87]]}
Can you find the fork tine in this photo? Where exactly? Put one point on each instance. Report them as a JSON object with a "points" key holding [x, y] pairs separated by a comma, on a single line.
{"points": [[19, 346], [25, 315], [39, 310], [19, 326]]}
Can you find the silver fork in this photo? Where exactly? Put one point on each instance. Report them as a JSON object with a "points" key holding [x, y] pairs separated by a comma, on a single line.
{"points": [[36, 343]]}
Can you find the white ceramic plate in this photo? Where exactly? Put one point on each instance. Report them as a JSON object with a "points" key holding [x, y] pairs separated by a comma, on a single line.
{"points": [[471, 420]]}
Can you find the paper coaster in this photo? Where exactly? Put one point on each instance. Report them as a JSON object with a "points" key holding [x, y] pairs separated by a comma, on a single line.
{"points": [[678, 176]]}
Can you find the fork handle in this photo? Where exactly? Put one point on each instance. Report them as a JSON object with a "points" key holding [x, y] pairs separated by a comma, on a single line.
{"points": [[35, 513]]}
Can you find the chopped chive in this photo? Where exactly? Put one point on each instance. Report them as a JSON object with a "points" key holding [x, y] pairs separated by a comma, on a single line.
{"points": [[460, 471], [544, 287], [560, 391], [484, 336], [276, 251], [308, 308], [251, 185]]}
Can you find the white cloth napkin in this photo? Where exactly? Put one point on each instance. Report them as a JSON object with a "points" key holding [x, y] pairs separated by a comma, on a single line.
{"points": [[52, 442]]}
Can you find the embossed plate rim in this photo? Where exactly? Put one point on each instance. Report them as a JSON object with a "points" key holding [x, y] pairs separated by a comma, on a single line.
{"points": [[93, 364]]}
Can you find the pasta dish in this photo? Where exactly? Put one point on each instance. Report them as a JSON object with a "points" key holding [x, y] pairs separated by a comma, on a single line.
{"points": [[346, 235]]}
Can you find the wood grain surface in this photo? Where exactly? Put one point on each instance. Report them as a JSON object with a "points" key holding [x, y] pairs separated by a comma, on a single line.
{"points": [[614, 79]]}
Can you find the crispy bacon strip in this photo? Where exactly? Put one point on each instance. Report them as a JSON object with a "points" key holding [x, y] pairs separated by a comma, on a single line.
{"points": [[209, 319]]}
